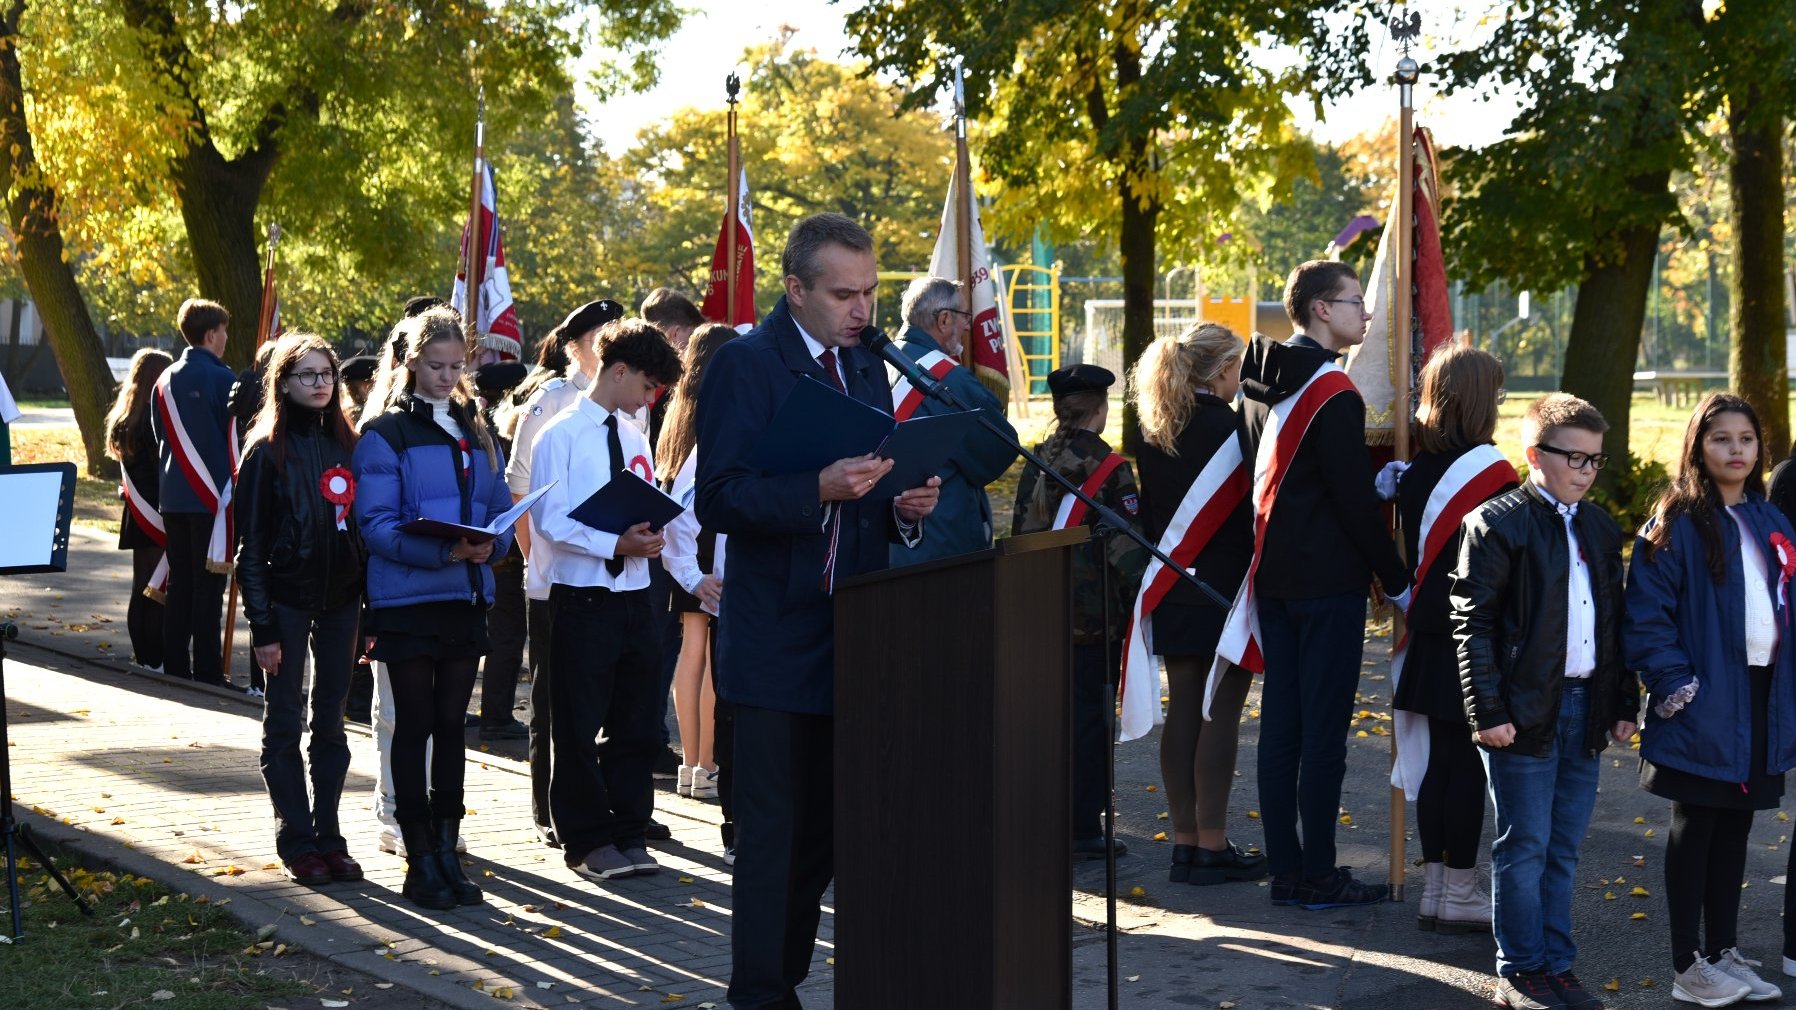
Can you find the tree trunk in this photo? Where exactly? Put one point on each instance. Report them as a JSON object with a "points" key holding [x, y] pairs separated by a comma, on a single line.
{"points": [[31, 212], [1756, 366], [1139, 219], [1605, 336], [218, 206]]}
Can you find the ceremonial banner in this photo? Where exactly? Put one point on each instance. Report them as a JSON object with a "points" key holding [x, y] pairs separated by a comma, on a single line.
{"points": [[1372, 365], [1209, 502], [717, 308], [496, 315], [985, 346]]}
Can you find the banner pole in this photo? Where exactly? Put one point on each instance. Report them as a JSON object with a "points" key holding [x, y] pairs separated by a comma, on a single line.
{"points": [[264, 323], [475, 259], [733, 202], [963, 216]]}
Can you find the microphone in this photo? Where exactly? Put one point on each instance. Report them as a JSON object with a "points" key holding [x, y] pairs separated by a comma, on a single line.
{"points": [[882, 345]]}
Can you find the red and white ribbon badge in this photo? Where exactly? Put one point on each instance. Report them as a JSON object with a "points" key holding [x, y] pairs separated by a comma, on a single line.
{"points": [[338, 488], [1786, 561]]}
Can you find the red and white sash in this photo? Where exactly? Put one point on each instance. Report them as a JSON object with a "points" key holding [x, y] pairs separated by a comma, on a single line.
{"points": [[150, 522], [1286, 426], [1072, 511], [1473, 479], [906, 398], [217, 500], [1209, 502]]}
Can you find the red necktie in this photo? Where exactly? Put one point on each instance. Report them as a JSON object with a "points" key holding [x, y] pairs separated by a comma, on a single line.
{"points": [[828, 360]]}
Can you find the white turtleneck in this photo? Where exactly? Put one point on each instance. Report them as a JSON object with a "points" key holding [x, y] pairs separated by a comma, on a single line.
{"points": [[439, 412]]}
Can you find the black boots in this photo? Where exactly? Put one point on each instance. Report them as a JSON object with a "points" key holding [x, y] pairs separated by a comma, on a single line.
{"points": [[464, 890], [424, 883]]}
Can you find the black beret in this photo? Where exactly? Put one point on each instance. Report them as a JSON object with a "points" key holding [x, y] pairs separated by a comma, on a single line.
{"points": [[359, 368], [494, 379], [1080, 379], [589, 317]]}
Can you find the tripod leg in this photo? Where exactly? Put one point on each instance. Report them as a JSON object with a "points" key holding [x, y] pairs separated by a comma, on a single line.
{"points": [[12, 886], [24, 833]]}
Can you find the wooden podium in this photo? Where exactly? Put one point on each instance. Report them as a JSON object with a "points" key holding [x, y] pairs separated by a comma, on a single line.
{"points": [[953, 722]]}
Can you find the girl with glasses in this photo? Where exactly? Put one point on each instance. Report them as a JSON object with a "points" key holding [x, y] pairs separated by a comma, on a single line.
{"points": [[299, 563]]}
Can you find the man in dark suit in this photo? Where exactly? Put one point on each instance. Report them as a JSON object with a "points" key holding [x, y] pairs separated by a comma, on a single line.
{"points": [[790, 538]]}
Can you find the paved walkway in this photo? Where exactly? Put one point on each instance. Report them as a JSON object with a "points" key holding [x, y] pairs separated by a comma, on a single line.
{"points": [[162, 777]]}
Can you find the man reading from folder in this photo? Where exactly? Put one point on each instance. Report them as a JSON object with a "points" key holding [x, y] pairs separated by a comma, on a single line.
{"points": [[791, 538]]}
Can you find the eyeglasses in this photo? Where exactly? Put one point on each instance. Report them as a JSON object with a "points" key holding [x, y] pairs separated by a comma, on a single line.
{"points": [[1577, 460], [328, 377], [959, 312], [1361, 302]]}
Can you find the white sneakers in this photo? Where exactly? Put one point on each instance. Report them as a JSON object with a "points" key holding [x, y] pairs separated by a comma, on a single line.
{"points": [[1716, 985], [1739, 968], [697, 782]]}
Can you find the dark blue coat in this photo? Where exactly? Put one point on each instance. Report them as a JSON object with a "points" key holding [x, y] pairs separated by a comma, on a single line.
{"points": [[406, 467], [962, 520], [1680, 624], [201, 386], [776, 632]]}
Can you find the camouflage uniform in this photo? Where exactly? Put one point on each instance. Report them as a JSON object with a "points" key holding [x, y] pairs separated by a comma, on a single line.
{"points": [[1076, 459]]}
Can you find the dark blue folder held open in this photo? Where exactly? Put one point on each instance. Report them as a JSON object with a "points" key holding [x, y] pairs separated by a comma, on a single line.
{"points": [[625, 500], [816, 425]]}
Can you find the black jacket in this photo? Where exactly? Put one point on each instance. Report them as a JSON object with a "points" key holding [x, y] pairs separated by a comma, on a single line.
{"points": [[1509, 595], [1326, 535], [142, 464], [290, 550], [1186, 623]]}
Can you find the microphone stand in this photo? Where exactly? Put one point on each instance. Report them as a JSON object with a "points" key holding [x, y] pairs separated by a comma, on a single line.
{"points": [[1108, 525]]}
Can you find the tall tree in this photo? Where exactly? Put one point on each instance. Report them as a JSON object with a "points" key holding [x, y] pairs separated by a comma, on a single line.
{"points": [[1146, 120], [1578, 191], [33, 215]]}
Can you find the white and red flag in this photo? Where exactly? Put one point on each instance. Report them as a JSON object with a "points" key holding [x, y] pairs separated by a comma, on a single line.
{"points": [[496, 314], [718, 307], [984, 353]]}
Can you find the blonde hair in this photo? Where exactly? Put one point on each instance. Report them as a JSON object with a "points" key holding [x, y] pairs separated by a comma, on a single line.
{"points": [[434, 326], [1459, 398], [1165, 380]]}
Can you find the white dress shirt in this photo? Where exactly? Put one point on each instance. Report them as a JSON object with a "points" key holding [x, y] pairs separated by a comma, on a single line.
{"points": [[680, 554], [571, 450], [1761, 624], [1580, 600], [544, 405]]}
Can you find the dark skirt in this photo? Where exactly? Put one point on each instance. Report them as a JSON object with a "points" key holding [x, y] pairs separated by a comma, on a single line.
{"points": [[1184, 630], [445, 630], [1430, 683], [1762, 791], [682, 602]]}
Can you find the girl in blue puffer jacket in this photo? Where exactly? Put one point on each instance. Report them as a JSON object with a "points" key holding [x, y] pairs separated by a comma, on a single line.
{"points": [[429, 455], [1708, 617]]}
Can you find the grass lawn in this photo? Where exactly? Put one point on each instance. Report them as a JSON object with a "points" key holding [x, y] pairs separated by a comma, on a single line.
{"points": [[142, 946], [96, 501]]}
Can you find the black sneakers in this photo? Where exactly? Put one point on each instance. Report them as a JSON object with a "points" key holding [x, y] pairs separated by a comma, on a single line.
{"points": [[1339, 890], [1572, 993], [1284, 890], [1530, 990]]}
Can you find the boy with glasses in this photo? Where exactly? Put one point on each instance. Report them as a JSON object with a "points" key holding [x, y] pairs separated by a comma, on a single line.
{"points": [[1537, 608]]}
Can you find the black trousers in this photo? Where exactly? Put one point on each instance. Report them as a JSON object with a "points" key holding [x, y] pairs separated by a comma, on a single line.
{"points": [[1312, 650], [506, 634], [723, 742], [303, 825], [144, 617], [1094, 705], [541, 748], [1450, 803], [193, 615], [1705, 862], [785, 851], [606, 658]]}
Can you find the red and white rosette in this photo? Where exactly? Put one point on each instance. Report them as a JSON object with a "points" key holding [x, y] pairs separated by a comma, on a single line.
{"points": [[338, 487], [1786, 562]]}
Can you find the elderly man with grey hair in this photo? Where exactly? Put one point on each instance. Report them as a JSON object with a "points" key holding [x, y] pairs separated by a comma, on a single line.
{"points": [[935, 334]]}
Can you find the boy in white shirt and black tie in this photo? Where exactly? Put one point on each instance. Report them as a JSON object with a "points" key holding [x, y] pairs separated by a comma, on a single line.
{"points": [[603, 651]]}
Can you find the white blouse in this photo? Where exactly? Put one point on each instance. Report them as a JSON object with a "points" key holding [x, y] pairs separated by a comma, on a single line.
{"points": [[1761, 621]]}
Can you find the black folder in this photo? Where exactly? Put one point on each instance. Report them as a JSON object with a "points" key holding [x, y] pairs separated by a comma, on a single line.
{"points": [[625, 500], [816, 425]]}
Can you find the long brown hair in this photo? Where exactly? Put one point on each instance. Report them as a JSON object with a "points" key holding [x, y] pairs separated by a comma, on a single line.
{"points": [[434, 326], [1459, 399], [270, 424], [147, 365], [1693, 491], [680, 433]]}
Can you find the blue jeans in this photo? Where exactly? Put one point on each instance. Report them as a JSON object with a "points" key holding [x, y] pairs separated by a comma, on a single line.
{"points": [[1543, 810]]}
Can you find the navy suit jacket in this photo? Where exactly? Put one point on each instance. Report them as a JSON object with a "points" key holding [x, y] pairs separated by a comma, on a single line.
{"points": [[201, 385], [776, 631]]}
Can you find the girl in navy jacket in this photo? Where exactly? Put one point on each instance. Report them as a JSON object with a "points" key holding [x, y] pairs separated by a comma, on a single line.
{"points": [[1708, 628], [430, 455]]}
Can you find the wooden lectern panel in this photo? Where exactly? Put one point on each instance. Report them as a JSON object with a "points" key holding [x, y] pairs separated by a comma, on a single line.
{"points": [[953, 760]]}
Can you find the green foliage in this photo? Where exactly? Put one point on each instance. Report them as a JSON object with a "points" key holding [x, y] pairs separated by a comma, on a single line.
{"points": [[1634, 494]]}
